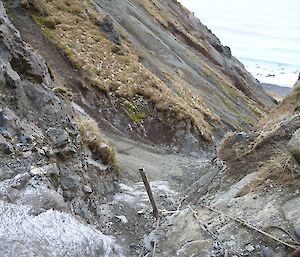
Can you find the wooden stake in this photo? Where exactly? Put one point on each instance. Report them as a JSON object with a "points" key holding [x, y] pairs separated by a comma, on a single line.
{"points": [[149, 192]]}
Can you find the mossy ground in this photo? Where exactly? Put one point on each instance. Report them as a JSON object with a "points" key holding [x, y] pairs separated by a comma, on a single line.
{"points": [[234, 109], [134, 113]]}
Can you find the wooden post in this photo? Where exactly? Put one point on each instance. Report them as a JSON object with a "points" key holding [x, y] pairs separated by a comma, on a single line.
{"points": [[149, 192]]}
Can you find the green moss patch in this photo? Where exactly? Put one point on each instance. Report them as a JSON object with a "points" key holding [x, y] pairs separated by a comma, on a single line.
{"points": [[255, 111], [234, 110], [135, 114], [48, 22]]}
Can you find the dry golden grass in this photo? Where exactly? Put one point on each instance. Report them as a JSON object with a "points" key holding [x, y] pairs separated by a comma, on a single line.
{"points": [[265, 152], [153, 8], [92, 136], [280, 168], [158, 11], [77, 34]]}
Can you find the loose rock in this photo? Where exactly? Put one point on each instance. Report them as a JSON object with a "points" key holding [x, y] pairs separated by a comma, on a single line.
{"points": [[294, 145]]}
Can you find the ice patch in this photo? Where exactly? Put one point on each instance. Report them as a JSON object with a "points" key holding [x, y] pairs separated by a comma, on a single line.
{"points": [[137, 197], [51, 233]]}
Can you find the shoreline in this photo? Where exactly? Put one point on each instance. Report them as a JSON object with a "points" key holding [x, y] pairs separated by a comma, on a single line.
{"points": [[277, 89], [284, 75]]}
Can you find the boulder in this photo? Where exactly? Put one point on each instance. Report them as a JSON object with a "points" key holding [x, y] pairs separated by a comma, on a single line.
{"points": [[107, 27], [267, 252], [294, 145], [291, 211], [59, 137]]}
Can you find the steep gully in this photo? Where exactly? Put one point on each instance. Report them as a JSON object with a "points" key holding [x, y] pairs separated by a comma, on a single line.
{"points": [[181, 172]]}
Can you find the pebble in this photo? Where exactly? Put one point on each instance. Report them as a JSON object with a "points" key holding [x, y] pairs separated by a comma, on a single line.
{"points": [[250, 248], [231, 243], [87, 189], [122, 218], [27, 154], [40, 151], [267, 252]]}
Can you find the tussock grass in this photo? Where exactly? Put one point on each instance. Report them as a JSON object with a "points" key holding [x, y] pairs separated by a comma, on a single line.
{"points": [[280, 168], [153, 8], [93, 137], [265, 152], [49, 22]]}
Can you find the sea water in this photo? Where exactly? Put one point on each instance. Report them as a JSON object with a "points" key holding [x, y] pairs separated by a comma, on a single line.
{"points": [[263, 34]]}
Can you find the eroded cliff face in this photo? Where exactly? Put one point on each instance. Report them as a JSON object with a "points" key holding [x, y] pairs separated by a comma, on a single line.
{"points": [[180, 50], [150, 67]]}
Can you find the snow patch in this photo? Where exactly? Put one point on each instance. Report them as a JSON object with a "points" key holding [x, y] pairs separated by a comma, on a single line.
{"points": [[51, 233]]}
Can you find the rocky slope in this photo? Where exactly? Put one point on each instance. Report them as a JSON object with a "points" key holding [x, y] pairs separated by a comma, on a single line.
{"points": [[49, 172], [154, 62], [251, 206], [189, 55], [163, 90]]}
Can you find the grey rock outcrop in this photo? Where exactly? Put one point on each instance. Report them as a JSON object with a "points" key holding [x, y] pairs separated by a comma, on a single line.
{"points": [[107, 26], [291, 210], [43, 163], [294, 145]]}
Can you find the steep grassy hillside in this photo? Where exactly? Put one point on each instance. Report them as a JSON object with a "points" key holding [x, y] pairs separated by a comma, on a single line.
{"points": [[165, 71], [289, 105]]}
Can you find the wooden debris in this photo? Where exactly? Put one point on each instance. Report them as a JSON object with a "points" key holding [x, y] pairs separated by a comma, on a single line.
{"points": [[244, 223], [149, 192]]}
